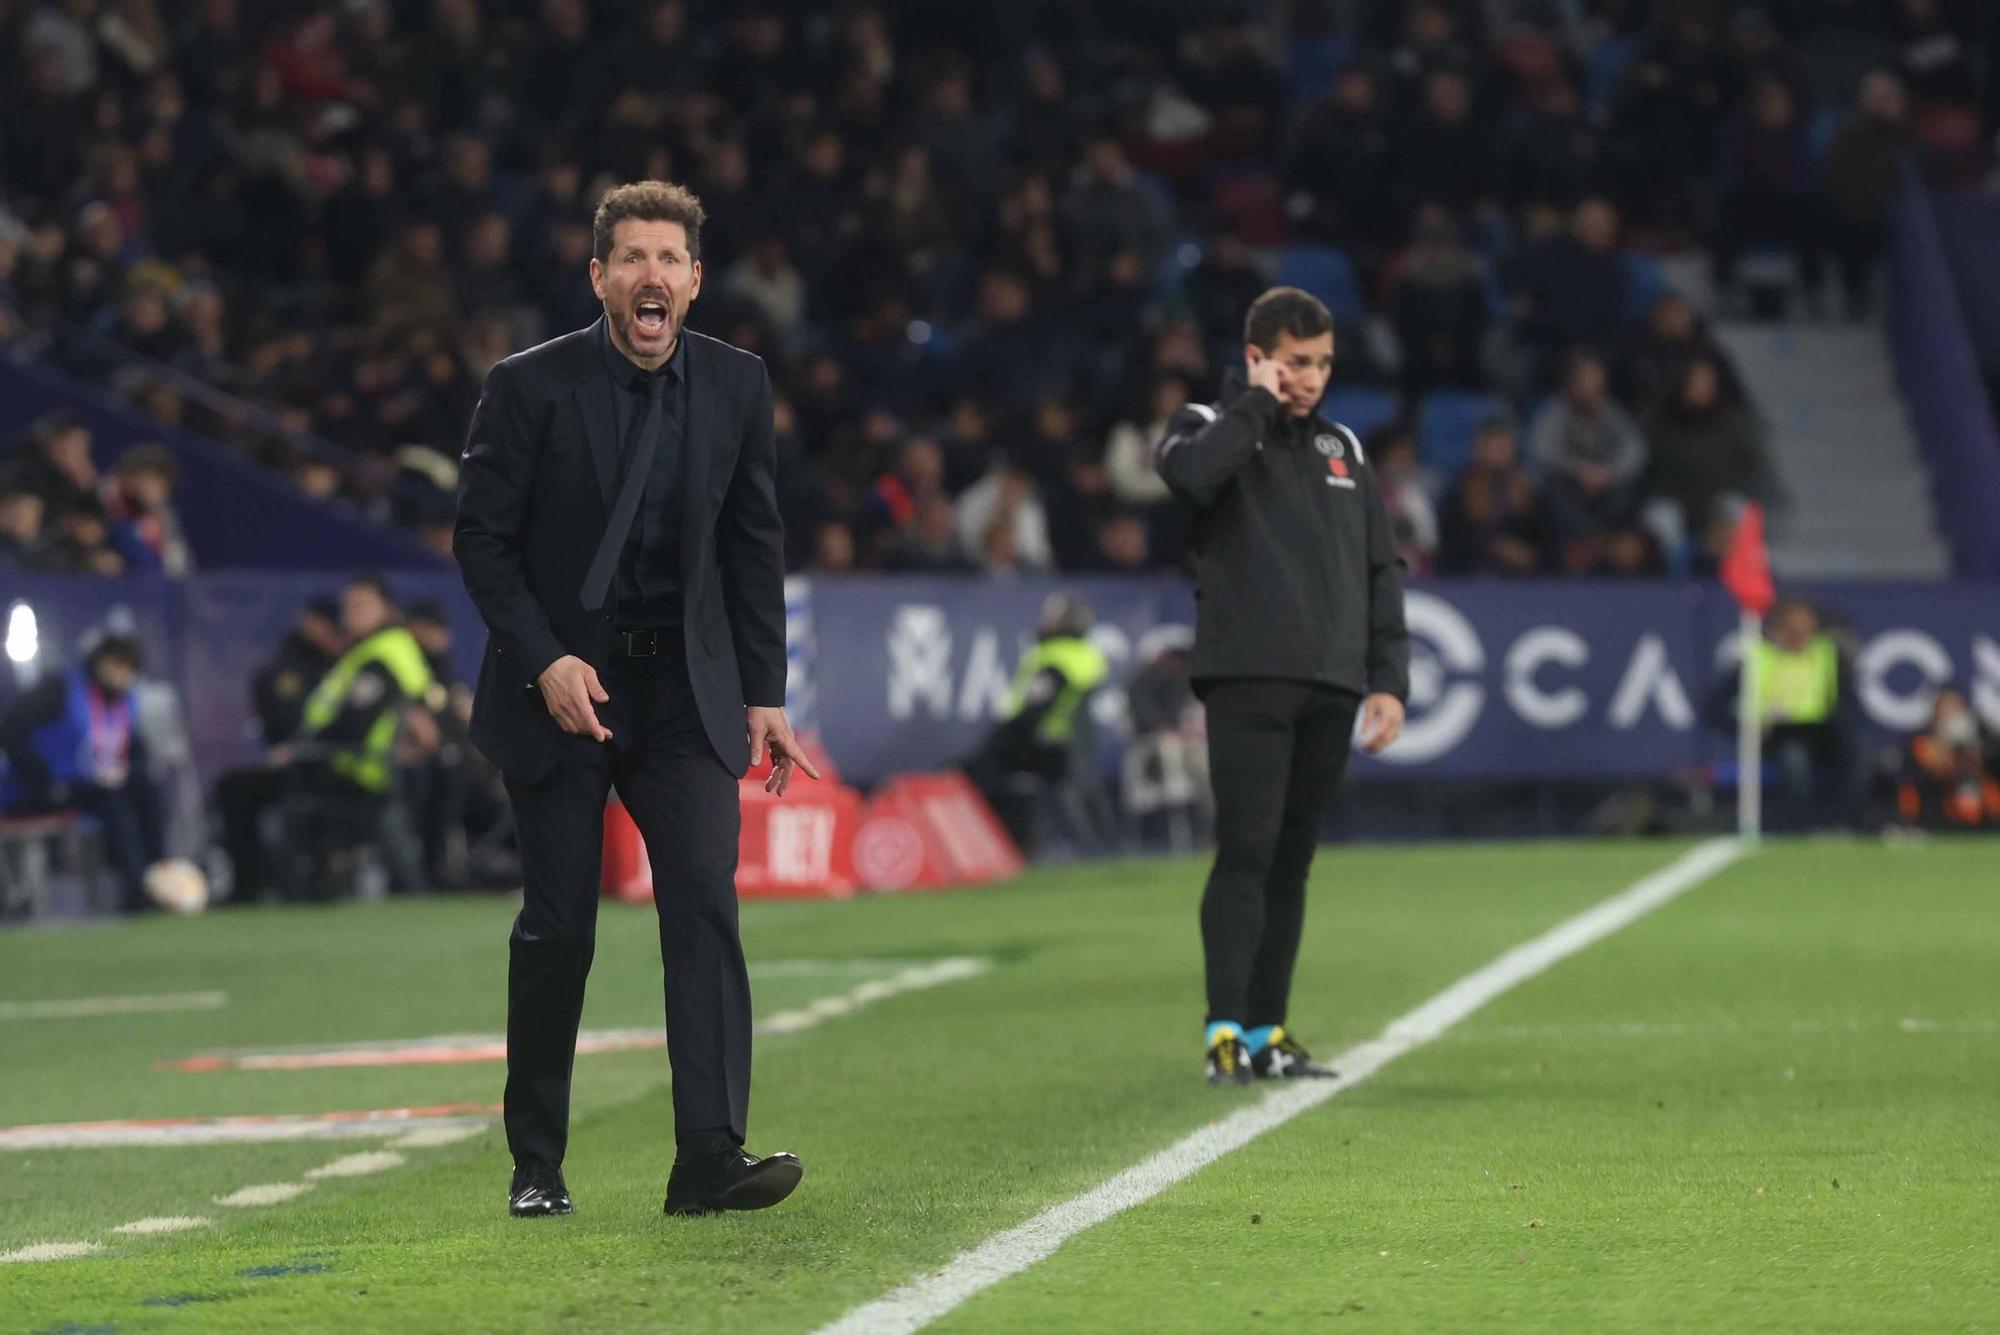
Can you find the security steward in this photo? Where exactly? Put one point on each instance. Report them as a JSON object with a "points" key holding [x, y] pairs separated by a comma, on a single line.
{"points": [[1034, 741], [1299, 628], [373, 702], [278, 692], [1802, 703]]}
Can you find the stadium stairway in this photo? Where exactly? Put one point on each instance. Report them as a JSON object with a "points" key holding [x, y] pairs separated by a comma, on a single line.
{"points": [[1847, 459]]}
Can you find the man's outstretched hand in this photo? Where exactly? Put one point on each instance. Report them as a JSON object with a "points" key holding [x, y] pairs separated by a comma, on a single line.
{"points": [[770, 728], [572, 692]]}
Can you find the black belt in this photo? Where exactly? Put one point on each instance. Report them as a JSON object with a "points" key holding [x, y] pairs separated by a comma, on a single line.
{"points": [[635, 643]]}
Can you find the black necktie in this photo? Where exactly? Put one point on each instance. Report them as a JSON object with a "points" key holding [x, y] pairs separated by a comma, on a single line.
{"points": [[638, 464]]}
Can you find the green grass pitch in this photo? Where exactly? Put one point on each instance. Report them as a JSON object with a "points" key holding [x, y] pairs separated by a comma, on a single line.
{"points": [[1772, 1105]]}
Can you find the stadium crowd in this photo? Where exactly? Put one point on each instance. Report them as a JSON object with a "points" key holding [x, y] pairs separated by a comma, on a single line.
{"points": [[988, 250]]}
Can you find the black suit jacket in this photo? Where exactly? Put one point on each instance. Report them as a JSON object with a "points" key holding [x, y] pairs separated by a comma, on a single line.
{"points": [[534, 494]]}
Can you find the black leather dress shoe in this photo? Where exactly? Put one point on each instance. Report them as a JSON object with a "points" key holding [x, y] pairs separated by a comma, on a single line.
{"points": [[729, 1178], [538, 1191]]}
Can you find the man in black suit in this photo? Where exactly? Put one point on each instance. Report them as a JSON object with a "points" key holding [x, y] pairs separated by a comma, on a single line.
{"points": [[618, 530]]}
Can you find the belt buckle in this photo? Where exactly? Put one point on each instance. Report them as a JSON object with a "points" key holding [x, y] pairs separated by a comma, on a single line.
{"points": [[642, 643]]}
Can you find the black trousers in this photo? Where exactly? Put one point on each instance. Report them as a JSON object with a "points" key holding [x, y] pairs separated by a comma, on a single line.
{"points": [[685, 804], [130, 817], [1276, 753]]}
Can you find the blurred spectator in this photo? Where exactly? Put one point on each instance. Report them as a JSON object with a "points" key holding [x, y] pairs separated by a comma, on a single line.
{"points": [[1406, 496], [895, 496], [833, 548], [1707, 457], [1001, 522], [929, 544], [1947, 779], [1128, 453], [1555, 156], [408, 289], [279, 689], [58, 465], [1766, 181], [145, 528], [1493, 522], [453, 795], [1108, 211], [1588, 450], [1572, 289], [1936, 62], [1862, 174], [346, 214], [1012, 354], [1448, 155], [82, 541], [1122, 544], [1343, 163], [1438, 295], [1655, 362], [766, 277], [69, 744], [21, 513]]}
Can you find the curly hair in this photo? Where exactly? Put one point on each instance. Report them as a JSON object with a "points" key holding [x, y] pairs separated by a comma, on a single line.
{"points": [[647, 201]]}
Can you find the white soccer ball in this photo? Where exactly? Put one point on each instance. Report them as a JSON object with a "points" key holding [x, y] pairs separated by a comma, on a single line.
{"points": [[177, 884]]}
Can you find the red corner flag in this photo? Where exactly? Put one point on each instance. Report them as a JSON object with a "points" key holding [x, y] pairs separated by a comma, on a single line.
{"points": [[1746, 566]]}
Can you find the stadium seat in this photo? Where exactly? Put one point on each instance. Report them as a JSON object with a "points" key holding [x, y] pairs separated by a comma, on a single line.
{"points": [[1327, 273], [1312, 64], [1446, 424], [26, 845], [1362, 409], [1646, 284]]}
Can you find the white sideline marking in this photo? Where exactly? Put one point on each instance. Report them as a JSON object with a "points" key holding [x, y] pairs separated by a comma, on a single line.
{"points": [[173, 1223], [922, 1301], [52, 1251], [270, 1193], [457, 1049], [359, 1165], [70, 1008], [251, 1130]]}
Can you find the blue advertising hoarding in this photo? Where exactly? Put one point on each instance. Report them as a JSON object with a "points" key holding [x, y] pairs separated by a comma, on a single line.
{"points": [[1529, 680]]}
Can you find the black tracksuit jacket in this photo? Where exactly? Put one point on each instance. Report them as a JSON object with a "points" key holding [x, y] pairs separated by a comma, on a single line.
{"points": [[1297, 572]]}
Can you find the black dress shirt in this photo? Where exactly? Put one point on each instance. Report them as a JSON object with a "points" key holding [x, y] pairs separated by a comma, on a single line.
{"points": [[646, 588]]}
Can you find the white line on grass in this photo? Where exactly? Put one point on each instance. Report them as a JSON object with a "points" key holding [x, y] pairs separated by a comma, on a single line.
{"points": [[269, 1193], [71, 1008], [444, 1125], [922, 1301], [262, 1129], [52, 1251], [458, 1049], [359, 1165], [430, 1137], [173, 1223]]}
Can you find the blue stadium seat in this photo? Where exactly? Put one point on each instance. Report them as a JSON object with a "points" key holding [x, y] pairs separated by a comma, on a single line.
{"points": [[1362, 409], [1446, 424], [1613, 59], [1312, 63], [1327, 273], [1648, 283]]}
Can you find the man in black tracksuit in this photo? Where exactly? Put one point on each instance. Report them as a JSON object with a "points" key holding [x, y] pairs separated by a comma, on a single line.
{"points": [[1299, 626]]}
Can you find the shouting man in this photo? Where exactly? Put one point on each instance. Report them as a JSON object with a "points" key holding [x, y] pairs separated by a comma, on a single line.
{"points": [[618, 529]]}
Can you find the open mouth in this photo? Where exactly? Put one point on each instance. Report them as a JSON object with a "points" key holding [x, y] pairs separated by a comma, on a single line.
{"points": [[651, 317]]}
